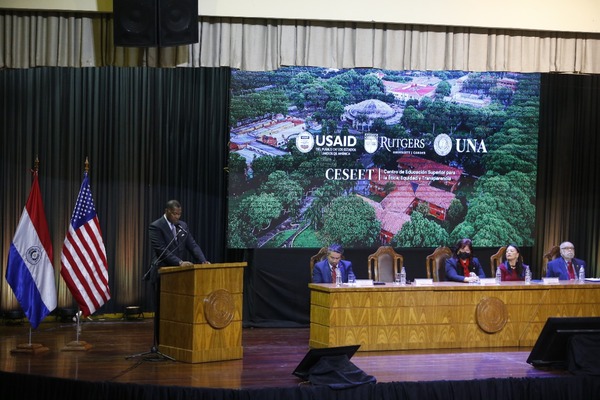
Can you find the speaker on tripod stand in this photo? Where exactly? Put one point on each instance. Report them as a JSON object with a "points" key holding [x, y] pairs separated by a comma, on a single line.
{"points": [[155, 23]]}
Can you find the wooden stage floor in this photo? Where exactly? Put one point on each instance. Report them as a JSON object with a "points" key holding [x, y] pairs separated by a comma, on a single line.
{"points": [[270, 356]]}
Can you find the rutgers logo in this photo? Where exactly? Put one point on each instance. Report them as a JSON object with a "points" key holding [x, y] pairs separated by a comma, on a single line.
{"points": [[371, 142]]}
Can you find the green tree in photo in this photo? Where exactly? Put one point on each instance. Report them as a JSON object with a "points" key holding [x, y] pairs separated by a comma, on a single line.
{"points": [[288, 192], [455, 212], [499, 212], [420, 232], [240, 233], [443, 89], [263, 166], [492, 230], [236, 173], [259, 211], [350, 221], [334, 110], [412, 119]]}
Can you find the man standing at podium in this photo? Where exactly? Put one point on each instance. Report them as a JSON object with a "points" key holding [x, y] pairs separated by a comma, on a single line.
{"points": [[170, 238]]}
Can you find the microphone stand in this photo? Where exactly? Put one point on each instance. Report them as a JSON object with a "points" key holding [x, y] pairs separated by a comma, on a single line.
{"points": [[153, 266], [161, 257]]}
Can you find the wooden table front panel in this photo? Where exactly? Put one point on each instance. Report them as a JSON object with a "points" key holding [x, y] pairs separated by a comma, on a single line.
{"points": [[443, 315]]}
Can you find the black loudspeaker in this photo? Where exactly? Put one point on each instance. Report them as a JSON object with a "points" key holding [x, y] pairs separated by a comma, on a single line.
{"points": [[150, 23], [178, 22], [135, 23]]}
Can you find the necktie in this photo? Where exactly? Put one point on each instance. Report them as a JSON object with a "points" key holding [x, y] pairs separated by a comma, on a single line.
{"points": [[174, 231], [333, 275], [571, 270]]}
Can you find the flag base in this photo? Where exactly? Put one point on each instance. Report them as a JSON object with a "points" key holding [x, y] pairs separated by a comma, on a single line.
{"points": [[77, 345], [29, 348]]}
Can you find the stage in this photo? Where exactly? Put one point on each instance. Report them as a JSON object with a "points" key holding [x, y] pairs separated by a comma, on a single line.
{"points": [[107, 369]]}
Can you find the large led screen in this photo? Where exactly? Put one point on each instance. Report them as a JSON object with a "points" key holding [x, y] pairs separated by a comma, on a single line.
{"points": [[367, 157]]}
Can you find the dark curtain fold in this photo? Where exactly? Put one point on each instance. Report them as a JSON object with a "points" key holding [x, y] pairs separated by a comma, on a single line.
{"points": [[150, 135], [568, 200]]}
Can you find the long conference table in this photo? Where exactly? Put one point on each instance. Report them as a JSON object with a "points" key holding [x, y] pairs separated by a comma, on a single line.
{"points": [[443, 315]]}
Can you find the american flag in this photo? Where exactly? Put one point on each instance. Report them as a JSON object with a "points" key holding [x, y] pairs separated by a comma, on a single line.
{"points": [[83, 258]]}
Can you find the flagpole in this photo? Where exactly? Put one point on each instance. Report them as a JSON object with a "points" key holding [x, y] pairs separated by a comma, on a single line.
{"points": [[77, 345], [90, 289]]}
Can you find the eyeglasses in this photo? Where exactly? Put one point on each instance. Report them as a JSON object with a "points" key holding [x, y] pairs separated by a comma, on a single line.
{"points": [[567, 248]]}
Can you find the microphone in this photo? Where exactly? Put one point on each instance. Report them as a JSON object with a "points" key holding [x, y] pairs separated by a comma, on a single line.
{"points": [[179, 229]]}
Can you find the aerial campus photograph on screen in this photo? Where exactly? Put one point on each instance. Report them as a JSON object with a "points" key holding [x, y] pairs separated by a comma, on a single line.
{"points": [[367, 157]]}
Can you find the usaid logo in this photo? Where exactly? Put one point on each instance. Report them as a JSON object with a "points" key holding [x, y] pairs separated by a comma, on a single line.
{"points": [[371, 142], [305, 142], [442, 144]]}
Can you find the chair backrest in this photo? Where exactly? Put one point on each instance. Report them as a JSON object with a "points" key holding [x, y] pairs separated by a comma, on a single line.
{"points": [[496, 260], [435, 263], [321, 255], [384, 264], [549, 256]]}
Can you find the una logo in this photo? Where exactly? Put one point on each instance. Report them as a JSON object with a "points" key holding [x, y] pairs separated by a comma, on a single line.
{"points": [[305, 142], [371, 141], [442, 144]]}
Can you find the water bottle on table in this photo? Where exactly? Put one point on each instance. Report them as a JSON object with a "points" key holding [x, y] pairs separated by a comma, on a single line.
{"points": [[351, 278], [581, 274], [498, 276], [338, 277], [527, 275], [403, 276]]}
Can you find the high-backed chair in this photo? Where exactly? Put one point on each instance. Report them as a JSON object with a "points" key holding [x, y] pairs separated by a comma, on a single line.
{"points": [[316, 258], [496, 260], [384, 264], [435, 263], [549, 256]]}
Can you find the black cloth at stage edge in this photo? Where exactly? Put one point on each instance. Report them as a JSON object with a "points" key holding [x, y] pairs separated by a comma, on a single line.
{"points": [[583, 354]]}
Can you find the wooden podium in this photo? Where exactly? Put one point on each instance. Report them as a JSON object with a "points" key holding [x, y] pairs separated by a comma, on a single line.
{"points": [[201, 312]]}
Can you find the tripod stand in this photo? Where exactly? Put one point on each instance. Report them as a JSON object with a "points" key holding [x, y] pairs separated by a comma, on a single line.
{"points": [[152, 274], [153, 354]]}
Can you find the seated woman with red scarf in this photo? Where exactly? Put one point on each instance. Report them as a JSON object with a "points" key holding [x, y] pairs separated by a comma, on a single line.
{"points": [[460, 266]]}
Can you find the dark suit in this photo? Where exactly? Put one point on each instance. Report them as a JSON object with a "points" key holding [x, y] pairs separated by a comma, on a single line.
{"points": [[171, 252], [558, 268], [454, 270], [168, 252], [322, 271]]}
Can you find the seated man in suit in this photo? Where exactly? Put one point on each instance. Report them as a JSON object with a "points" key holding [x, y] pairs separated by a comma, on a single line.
{"points": [[325, 271], [566, 267]]}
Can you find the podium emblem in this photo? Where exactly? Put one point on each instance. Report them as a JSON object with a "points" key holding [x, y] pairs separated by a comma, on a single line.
{"points": [[219, 308]]}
